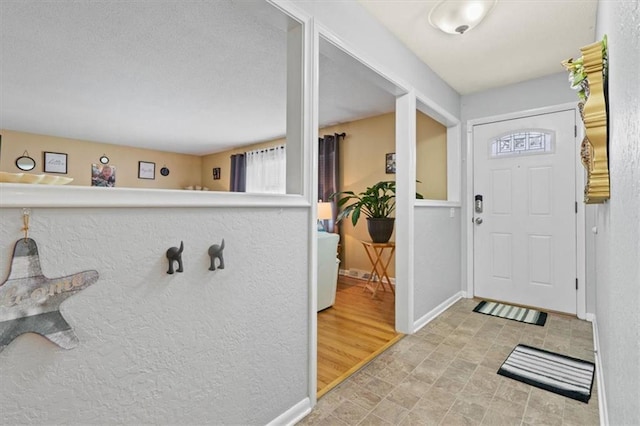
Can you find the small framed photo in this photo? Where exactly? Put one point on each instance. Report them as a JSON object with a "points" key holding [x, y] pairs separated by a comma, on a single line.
{"points": [[103, 175], [390, 163], [55, 162], [216, 173], [146, 170]]}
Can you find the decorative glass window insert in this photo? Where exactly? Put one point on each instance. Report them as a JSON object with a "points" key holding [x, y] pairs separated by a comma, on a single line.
{"points": [[522, 143]]}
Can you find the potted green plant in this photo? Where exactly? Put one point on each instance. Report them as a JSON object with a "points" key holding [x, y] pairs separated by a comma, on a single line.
{"points": [[377, 203]]}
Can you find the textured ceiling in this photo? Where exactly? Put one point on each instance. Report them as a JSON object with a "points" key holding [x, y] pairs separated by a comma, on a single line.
{"points": [[160, 75], [348, 90], [153, 75], [519, 40]]}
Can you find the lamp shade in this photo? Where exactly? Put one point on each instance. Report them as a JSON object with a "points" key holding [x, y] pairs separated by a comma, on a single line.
{"points": [[459, 16], [324, 211]]}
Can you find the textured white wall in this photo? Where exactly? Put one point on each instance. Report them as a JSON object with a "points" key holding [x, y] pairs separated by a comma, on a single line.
{"points": [[537, 93], [437, 258], [230, 347], [618, 239], [223, 347]]}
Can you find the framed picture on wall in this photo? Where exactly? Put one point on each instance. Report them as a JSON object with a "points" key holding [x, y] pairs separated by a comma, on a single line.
{"points": [[146, 170], [390, 163], [55, 162], [103, 175], [216, 173]]}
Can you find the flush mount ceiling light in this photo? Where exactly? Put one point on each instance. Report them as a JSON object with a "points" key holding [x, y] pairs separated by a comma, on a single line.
{"points": [[459, 16]]}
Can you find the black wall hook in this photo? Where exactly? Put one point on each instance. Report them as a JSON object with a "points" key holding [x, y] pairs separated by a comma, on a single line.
{"points": [[174, 254], [216, 252]]}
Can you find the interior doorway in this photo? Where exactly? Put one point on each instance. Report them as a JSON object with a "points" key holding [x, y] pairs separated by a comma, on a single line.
{"points": [[357, 102]]}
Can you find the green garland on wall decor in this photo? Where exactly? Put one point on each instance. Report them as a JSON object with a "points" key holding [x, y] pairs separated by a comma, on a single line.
{"points": [[578, 75], [588, 74]]}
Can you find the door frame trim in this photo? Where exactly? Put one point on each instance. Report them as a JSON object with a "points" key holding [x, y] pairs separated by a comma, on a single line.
{"points": [[581, 294]]}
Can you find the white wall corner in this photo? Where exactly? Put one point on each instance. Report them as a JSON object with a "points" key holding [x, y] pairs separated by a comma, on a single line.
{"points": [[602, 397], [432, 314], [293, 414], [405, 201]]}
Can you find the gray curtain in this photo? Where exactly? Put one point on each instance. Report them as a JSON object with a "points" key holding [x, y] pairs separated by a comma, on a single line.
{"points": [[238, 173], [328, 178]]}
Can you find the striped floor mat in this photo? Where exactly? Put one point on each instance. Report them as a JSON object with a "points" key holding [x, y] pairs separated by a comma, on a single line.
{"points": [[570, 377], [530, 316]]}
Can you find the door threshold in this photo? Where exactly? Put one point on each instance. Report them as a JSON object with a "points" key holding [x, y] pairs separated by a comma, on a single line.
{"points": [[358, 366]]}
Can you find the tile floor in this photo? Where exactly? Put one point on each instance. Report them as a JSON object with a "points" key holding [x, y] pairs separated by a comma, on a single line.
{"points": [[445, 374]]}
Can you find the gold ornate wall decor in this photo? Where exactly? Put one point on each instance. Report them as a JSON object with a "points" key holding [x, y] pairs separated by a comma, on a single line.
{"points": [[589, 74]]}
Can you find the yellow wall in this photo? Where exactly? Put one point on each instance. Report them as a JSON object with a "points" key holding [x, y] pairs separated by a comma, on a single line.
{"points": [[431, 158], [431, 154], [185, 170], [362, 164], [223, 160]]}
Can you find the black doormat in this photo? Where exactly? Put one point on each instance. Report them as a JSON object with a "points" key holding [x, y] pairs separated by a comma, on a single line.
{"points": [[567, 376], [515, 313]]}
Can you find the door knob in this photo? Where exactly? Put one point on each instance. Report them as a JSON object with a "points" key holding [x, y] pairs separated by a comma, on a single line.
{"points": [[478, 220]]}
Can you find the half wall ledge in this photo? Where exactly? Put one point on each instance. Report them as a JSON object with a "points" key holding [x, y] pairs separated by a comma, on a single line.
{"points": [[24, 195]]}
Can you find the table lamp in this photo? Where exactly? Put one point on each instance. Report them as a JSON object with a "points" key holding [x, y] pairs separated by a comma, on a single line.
{"points": [[325, 211]]}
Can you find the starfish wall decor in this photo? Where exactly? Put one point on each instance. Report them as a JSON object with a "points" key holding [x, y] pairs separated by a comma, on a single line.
{"points": [[30, 302]]}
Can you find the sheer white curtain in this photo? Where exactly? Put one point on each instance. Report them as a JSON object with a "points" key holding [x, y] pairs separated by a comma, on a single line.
{"points": [[267, 170]]}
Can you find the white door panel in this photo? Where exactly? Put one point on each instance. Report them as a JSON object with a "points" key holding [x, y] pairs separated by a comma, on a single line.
{"points": [[525, 246]]}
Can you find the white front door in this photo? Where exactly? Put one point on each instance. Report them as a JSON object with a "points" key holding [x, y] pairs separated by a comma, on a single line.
{"points": [[525, 236]]}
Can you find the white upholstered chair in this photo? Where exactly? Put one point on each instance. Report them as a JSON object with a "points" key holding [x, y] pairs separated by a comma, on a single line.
{"points": [[327, 269]]}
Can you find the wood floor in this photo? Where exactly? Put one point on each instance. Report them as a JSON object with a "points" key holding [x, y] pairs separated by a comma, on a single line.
{"points": [[353, 331]]}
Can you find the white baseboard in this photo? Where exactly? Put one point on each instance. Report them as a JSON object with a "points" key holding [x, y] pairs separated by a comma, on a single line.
{"points": [[602, 398], [293, 414], [361, 275], [429, 316], [355, 273]]}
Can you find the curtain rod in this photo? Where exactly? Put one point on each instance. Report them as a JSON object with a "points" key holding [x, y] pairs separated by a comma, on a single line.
{"points": [[268, 149], [343, 134]]}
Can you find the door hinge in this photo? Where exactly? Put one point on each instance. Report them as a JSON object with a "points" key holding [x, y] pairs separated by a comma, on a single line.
{"points": [[576, 283], [576, 207], [575, 131]]}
